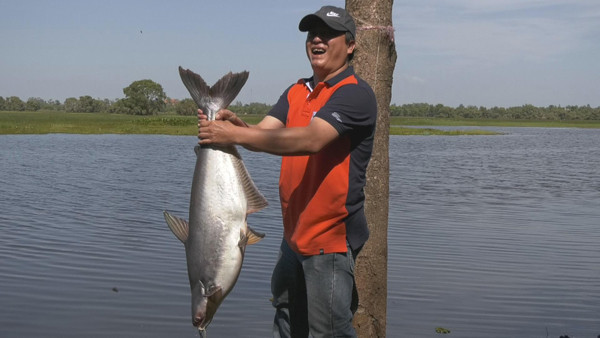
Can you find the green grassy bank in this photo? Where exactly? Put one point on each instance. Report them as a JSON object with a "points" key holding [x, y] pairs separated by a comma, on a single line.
{"points": [[395, 120], [94, 123], [45, 122]]}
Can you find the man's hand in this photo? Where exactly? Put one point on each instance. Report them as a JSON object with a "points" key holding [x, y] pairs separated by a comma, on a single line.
{"points": [[224, 115], [219, 131], [216, 132]]}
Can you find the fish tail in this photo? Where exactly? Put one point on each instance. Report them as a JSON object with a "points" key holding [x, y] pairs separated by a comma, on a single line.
{"points": [[217, 97]]}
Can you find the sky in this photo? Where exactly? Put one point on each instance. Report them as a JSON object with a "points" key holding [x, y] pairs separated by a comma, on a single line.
{"points": [[488, 53]]}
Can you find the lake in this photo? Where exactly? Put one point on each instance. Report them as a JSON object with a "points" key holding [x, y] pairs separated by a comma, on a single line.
{"points": [[489, 236]]}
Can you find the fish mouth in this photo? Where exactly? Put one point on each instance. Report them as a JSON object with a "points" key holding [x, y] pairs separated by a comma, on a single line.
{"points": [[199, 322]]}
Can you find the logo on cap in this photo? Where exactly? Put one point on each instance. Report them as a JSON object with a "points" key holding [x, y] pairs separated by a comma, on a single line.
{"points": [[333, 14]]}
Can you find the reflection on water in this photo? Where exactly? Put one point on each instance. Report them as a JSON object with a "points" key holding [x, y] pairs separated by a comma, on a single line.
{"points": [[490, 236]]}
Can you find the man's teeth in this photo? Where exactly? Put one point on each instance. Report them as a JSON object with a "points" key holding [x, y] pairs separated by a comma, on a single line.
{"points": [[318, 51]]}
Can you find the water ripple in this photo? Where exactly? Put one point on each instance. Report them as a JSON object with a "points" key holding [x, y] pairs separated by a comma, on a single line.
{"points": [[488, 236]]}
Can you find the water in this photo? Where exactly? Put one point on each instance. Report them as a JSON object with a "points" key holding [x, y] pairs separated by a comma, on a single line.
{"points": [[489, 236], [496, 236]]}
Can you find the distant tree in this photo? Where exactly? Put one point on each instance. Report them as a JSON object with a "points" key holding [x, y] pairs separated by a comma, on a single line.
{"points": [[531, 112], [87, 104], [472, 112], [144, 97], [515, 113], [483, 112], [586, 112], [119, 107], [497, 112], [422, 108], [524, 112], [595, 114], [52, 105], [443, 111], [186, 107], [102, 105], [14, 103], [171, 105], [71, 104], [2, 103], [34, 104], [252, 108]]}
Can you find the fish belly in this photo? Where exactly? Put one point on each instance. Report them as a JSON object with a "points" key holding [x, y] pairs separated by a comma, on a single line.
{"points": [[217, 217]]}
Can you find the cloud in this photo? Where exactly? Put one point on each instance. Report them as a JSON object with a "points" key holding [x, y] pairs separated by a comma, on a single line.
{"points": [[414, 79]]}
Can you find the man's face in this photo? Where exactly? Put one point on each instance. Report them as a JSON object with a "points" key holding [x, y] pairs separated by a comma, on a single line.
{"points": [[327, 49]]}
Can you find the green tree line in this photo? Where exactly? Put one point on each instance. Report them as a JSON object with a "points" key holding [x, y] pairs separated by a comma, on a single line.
{"points": [[524, 112], [146, 97]]}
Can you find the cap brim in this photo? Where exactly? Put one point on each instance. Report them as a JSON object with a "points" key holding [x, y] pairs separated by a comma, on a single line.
{"points": [[309, 21]]}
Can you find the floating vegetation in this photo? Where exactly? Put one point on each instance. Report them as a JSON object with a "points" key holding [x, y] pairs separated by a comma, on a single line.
{"points": [[397, 130], [441, 330], [167, 121]]}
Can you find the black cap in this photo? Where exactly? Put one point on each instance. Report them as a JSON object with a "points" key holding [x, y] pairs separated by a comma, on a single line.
{"points": [[334, 17]]}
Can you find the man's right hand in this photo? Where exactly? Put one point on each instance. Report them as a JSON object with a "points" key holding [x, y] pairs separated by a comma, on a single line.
{"points": [[224, 115], [218, 132]]}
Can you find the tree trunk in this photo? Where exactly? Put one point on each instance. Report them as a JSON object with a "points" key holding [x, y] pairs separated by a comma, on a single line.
{"points": [[374, 61]]}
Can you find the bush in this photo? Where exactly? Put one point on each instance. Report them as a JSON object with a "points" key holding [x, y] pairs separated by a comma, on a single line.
{"points": [[186, 107]]}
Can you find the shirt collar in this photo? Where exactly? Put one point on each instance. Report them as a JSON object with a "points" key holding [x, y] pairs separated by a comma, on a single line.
{"points": [[309, 82]]}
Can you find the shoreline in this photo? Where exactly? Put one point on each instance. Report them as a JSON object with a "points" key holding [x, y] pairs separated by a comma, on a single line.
{"points": [[49, 122]]}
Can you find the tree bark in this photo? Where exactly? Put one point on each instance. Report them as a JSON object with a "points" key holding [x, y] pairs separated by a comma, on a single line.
{"points": [[374, 61]]}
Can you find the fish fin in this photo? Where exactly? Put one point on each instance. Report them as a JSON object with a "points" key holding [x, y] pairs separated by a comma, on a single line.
{"points": [[253, 236], [197, 87], [255, 200], [228, 87], [220, 94], [179, 226], [214, 290], [249, 237], [243, 240]]}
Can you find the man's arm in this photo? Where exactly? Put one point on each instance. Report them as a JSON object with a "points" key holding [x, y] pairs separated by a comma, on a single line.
{"points": [[269, 135], [267, 122]]}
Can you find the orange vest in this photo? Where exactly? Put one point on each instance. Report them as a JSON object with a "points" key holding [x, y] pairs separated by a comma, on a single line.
{"points": [[313, 189]]}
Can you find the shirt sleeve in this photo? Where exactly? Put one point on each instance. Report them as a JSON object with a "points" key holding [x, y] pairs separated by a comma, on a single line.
{"points": [[352, 107], [280, 109]]}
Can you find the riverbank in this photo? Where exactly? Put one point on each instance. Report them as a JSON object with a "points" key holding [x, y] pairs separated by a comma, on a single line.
{"points": [[47, 122], [494, 123]]}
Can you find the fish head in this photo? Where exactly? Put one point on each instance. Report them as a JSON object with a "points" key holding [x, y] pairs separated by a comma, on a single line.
{"points": [[205, 301]]}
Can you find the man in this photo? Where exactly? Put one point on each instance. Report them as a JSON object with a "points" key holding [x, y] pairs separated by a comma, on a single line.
{"points": [[323, 126]]}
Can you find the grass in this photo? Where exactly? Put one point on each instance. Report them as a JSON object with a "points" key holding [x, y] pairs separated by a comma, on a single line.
{"points": [[46, 122], [407, 121], [96, 123], [397, 130]]}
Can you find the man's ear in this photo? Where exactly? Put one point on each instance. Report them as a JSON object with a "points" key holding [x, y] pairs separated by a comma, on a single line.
{"points": [[351, 46]]}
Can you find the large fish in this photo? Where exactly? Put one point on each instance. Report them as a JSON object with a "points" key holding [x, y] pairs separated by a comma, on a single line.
{"points": [[223, 194]]}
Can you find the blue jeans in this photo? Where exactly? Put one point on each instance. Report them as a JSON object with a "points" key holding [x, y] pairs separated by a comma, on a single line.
{"points": [[314, 295]]}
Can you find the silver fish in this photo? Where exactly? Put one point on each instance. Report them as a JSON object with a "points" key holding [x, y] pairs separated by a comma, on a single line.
{"points": [[223, 194]]}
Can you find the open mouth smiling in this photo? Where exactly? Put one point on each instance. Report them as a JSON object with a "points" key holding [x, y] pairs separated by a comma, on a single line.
{"points": [[318, 51]]}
